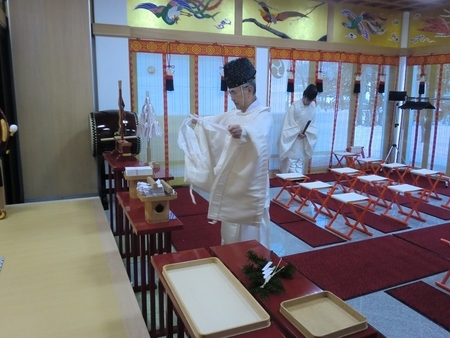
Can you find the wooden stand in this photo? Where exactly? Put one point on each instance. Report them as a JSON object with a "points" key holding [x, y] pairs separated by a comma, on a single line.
{"points": [[123, 151], [157, 207]]}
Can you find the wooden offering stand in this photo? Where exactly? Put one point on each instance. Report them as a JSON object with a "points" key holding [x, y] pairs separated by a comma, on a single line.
{"points": [[157, 207]]}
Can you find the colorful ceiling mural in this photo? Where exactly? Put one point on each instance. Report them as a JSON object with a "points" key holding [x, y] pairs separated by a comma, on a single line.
{"points": [[429, 28], [294, 19], [211, 16], [367, 26], [288, 19]]}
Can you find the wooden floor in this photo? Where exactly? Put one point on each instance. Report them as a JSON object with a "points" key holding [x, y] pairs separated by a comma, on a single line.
{"points": [[62, 274]]}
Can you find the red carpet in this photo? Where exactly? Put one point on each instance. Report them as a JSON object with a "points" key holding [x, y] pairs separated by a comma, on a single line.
{"points": [[425, 299], [383, 224], [301, 228], [196, 233], [279, 214], [433, 210], [183, 206], [310, 233], [359, 268], [430, 238]]}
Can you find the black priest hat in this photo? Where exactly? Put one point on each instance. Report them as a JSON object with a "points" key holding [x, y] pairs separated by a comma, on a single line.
{"points": [[310, 92], [238, 72]]}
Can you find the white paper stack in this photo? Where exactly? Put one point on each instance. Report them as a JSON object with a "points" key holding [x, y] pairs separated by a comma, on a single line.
{"points": [[147, 190], [139, 171]]}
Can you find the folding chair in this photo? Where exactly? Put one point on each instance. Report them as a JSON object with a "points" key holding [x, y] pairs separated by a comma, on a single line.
{"points": [[430, 175], [316, 198], [349, 155], [399, 169], [290, 184], [345, 174], [442, 283], [369, 164], [380, 185], [354, 201], [407, 190]]}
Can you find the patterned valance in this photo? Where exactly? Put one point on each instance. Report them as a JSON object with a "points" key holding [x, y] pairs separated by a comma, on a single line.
{"points": [[146, 46], [293, 54], [435, 59]]}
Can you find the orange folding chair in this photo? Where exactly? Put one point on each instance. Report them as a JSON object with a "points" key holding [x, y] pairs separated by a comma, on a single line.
{"points": [[358, 205], [290, 184], [430, 175], [369, 165], [380, 185], [317, 199], [399, 169], [442, 283], [343, 175], [415, 196], [349, 156]]}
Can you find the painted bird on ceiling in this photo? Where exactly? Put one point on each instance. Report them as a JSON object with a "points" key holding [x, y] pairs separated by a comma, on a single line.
{"points": [[171, 12], [274, 17], [364, 23], [436, 25]]}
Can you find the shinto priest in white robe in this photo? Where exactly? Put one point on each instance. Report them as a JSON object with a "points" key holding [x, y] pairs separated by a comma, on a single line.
{"points": [[233, 171], [295, 152]]}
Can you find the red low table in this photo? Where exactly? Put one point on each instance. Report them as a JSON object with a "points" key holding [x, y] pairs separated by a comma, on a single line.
{"points": [[234, 256], [142, 241], [182, 325], [117, 183]]}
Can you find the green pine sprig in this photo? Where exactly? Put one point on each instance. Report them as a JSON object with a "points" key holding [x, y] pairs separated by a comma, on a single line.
{"points": [[253, 271]]}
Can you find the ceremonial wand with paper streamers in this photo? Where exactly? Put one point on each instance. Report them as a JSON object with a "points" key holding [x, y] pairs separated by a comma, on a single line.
{"points": [[148, 124]]}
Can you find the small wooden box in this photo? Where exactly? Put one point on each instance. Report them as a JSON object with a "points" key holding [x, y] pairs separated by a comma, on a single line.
{"points": [[324, 315], [157, 207]]}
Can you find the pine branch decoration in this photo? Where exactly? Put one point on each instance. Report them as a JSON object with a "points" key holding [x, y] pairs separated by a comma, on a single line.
{"points": [[253, 271]]}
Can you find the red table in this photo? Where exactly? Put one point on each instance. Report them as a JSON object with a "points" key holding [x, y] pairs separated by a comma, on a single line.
{"points": [[234, 257], [158, 262], [142, 241], [117, 183]]}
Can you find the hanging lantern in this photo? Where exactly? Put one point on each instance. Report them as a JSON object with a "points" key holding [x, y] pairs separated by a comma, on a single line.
{"points": [[381, 84], [422, 84], [357, 85], [319, 82], [168, 77], [223, 84], [319, 78], [290, 84], [169, 80], [291, 72]]}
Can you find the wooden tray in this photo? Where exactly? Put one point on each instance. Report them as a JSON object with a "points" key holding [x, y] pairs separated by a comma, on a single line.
{"points": [[323, 314], [213, 301]]}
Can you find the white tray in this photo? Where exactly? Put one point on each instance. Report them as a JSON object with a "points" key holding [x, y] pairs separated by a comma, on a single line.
{"points": [[324, 315], [213, 301]]}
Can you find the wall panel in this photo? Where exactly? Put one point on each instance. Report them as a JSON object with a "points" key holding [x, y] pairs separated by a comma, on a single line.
{"points": [[51, 50]]}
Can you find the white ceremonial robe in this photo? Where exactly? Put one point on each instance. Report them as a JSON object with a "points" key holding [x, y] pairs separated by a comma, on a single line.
{"points": [[295, 152], [233, 171]]}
